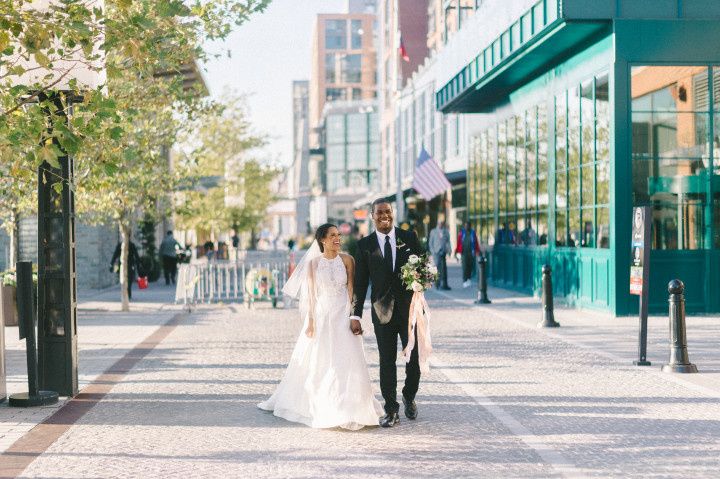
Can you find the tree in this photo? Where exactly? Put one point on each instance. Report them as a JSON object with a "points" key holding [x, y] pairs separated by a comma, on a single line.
{"points": [[128, 169], [223, 145]]}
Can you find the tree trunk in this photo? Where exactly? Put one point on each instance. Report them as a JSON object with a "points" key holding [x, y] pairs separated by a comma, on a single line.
{"points": [[14, 240], [124, 265]]}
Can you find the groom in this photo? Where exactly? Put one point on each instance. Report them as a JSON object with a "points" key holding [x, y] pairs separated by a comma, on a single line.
{"points": [[378, 260]]}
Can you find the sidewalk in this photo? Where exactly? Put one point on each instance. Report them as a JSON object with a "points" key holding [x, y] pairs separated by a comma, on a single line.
{"points": [[503, 399], [104, 335]]}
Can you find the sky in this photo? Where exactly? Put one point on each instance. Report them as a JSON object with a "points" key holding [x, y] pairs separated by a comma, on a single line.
{"points": [[266, 55]]}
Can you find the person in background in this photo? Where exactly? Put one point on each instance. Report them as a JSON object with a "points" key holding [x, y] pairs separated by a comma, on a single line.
{"points": [[209, 250], [291, 244], [468, 247], [169, 249], [439, 246], [133, 263]]}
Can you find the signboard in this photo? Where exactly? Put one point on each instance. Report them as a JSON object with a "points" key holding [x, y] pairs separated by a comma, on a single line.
{"points": [[638, 261], [639, 273]]}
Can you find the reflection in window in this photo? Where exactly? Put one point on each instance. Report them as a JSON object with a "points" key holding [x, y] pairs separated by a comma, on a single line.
{"points": [[333, 94], [352, 68], [335, 34], [356, 34], [670, 150], [330, 71]]}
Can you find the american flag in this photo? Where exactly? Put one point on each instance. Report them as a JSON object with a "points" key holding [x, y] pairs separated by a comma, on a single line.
{"points": [[429, 179]]}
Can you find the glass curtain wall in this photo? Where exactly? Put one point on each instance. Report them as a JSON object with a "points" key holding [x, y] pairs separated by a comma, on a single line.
{"points": [[514, 152], [352, 151], [672, 157], [582, 165]]}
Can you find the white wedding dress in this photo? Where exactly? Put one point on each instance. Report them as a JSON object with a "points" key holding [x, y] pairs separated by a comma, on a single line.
{"points": [[326, 383]]}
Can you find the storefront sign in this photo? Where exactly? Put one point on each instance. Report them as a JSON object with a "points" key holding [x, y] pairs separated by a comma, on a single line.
{"points": [[640, 248]]}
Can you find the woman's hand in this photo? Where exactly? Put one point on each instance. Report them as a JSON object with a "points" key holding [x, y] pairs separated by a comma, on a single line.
{"points": [[310, 330]]}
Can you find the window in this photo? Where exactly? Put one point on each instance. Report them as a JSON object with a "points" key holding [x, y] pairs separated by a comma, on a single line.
{"points": [[333, 94], [352, 68], [335, 34], [356, 34], [330, 71], [357, 93], [670, 151]]}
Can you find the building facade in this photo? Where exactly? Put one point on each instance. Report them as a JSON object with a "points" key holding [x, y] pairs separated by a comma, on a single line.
{"points": [[301, 182], [584, 110], [352, 155], [343, 62]]}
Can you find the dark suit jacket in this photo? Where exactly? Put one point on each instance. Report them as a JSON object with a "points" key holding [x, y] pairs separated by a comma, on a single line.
{"points": [[387, 289]]}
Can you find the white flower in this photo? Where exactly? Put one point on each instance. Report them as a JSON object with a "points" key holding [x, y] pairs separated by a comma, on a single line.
{"points": [[413, 259], [433, 270], [417, 287]]}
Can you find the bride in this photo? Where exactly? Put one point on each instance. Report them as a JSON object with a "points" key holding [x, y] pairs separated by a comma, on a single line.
{"points": [[326, 383]]}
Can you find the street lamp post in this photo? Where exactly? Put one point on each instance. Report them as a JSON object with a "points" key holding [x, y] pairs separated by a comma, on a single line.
{"points": [[57, 85]]}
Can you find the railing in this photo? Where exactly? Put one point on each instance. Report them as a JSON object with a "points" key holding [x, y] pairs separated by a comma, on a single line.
{"points": [[232, 281]]}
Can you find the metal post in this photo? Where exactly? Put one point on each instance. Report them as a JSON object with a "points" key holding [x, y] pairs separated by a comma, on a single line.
{"points": [[548, 315], [26, 321], [679, 361], [482, 297], [57, 290]]}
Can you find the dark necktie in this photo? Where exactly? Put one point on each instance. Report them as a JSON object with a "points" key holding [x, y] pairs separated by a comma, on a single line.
{"points": [[388, 254]]}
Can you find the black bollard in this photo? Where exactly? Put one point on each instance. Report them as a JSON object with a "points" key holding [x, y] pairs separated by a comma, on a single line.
{"points": [[679, 361], [548, 315], [482, 297], [26, 321]]}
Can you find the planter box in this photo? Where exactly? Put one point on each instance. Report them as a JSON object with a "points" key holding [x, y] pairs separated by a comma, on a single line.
{"points": [[8, 305]]}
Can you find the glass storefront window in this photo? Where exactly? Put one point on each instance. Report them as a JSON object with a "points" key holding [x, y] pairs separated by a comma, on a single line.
{"points": [[671, 153]]}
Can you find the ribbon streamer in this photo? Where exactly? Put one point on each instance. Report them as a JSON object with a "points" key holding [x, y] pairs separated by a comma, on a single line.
{"points": [[419, 322]]}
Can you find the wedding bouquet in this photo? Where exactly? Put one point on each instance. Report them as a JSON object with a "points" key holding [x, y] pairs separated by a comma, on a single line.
{"points": [[418, 274]]}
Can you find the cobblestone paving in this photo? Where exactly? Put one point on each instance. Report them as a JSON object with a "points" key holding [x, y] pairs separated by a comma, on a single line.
{"points": [[503, 400]]}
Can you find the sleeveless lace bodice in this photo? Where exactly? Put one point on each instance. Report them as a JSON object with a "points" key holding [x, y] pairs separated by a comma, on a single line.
{"points": [[331, 277]]}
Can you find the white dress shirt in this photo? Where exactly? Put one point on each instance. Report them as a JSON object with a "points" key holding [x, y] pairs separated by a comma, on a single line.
{"points": [[393, 244]]}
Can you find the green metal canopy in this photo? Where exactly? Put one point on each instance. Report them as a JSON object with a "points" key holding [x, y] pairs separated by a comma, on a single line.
{"points": [[548, 33]]}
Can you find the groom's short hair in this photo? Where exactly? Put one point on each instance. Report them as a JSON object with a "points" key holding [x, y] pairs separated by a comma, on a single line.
{"points": [[379, 201]]}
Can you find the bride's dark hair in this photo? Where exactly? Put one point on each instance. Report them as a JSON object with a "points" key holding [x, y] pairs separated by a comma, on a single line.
{"points": [[321, 233]]}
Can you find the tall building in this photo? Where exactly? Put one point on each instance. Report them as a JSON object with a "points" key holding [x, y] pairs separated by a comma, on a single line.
{"points": [[361, 6], [352, 151], [343, 112], [302, 182], [401, 22], [343, 63]]}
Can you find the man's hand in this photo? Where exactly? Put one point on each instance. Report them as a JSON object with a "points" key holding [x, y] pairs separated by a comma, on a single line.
{"points": [[355, 327]]}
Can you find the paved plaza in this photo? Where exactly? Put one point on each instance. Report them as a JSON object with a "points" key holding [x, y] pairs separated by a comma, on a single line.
{"points": [[171, 394]]}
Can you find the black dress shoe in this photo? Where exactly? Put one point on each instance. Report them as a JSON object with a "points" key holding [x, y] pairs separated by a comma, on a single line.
{"points": [[446, 288], [390, 420], [410, 409]]}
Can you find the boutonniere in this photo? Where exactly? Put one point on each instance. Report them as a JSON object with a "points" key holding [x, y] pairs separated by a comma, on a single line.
{"points": [[399, 244]]}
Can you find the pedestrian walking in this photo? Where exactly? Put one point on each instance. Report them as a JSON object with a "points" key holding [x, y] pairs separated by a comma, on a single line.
{"points": [[133, 263], [169, 249], [439, 247], [468, 247]]}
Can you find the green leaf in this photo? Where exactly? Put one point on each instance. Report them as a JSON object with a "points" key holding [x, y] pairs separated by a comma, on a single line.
{"points": [[116, 132]]}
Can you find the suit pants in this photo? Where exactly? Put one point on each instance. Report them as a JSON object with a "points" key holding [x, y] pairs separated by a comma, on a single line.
{"points": [[387, 335], [468, 265], [170, 268]]}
